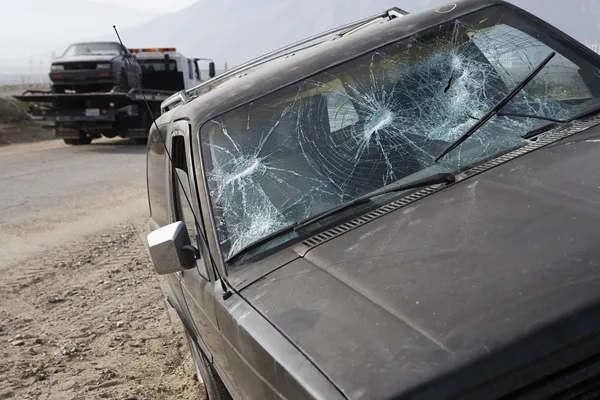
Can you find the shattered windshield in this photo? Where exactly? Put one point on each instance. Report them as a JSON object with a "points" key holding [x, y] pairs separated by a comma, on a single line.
{"points": [[382, 119]]}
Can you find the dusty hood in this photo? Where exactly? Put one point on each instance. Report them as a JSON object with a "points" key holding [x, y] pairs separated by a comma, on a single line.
{"points": [[452, 278], [83, 58]]}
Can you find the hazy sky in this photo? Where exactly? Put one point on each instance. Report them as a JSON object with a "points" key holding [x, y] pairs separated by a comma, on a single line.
{"points": [[32, 30], [37, 28], [156, 6]]}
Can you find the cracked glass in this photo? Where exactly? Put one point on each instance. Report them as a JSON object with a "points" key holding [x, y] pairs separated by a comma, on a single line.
{"points": [[382, 119]]}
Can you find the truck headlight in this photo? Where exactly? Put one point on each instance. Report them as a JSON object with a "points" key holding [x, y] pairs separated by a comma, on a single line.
{"points": [[57, 67], [103, 66]]}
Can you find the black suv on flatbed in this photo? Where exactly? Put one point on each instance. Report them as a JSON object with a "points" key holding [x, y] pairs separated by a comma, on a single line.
{"points": [[409, 210], [95, 67]]}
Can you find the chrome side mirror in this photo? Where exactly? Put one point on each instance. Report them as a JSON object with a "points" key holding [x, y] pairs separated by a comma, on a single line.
{"points": [[171, 249]]}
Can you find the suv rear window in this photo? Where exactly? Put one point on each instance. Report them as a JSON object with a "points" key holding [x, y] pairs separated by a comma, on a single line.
{"points": [[157, 65]]}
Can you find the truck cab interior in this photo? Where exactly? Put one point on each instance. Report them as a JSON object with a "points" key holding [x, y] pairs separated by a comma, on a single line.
{"points": [[162, 74]]}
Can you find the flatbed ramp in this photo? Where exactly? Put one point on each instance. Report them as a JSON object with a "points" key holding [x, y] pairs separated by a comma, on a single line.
{"points": [[80, 117]]}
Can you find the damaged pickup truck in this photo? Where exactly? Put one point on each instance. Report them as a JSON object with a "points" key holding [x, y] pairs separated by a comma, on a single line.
{"points": [[95, 67], [408, 208]]}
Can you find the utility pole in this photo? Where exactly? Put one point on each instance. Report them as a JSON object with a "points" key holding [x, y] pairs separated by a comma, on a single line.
{"points": [[41, 70], [31, 61], [225, 65]]}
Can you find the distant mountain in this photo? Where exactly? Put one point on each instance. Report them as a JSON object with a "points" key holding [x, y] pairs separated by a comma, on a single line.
{"points": [[235, 31]]}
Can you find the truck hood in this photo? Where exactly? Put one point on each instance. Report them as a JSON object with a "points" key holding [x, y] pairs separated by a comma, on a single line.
{"points": [[83, 58], [457, 289]]}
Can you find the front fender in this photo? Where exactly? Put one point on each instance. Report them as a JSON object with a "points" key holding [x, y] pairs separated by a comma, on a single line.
{"points": [[265, 363], [188, 325]]}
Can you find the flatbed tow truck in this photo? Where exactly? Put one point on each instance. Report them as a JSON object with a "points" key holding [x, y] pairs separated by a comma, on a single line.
{"points": [[78, 118]]}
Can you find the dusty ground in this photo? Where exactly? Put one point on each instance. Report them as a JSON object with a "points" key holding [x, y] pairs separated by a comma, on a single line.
{"points": [[23, 132], [82, 315], [15, 126]]}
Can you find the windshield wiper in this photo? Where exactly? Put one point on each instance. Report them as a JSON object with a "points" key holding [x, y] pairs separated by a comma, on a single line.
{"points": [[427, 181], [585, 114], [519, 115], [494, 110], [538, 131]]}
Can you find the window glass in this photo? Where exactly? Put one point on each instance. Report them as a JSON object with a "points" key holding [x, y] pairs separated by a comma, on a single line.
{"points": [[513, 61], [190, 69], [184, 211], [157, 65], [183, 197]]}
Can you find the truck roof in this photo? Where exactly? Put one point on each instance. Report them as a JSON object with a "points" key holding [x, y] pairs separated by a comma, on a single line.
{"points": [[294, 67], [264, 61], [95, 42]]}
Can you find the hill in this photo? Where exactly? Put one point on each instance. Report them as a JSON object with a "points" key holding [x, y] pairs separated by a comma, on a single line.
{"points": [[234, 31]]}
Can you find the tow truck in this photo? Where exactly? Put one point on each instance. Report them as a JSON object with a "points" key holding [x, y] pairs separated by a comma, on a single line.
{"points": [[78, 118]]}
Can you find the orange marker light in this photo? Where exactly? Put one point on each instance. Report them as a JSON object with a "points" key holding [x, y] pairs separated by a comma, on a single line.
{"points": [[154, 50]]}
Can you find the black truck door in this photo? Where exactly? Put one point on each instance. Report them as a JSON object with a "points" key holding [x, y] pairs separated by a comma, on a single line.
{"points": [[197, 284]]}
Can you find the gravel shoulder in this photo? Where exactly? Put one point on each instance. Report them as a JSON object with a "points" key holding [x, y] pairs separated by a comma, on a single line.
{"points": [[82, 313], [15, 127], [91, 322], [24, 132]]}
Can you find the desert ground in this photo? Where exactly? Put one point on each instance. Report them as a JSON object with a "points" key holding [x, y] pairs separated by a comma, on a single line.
{"points": [[82, 314]]}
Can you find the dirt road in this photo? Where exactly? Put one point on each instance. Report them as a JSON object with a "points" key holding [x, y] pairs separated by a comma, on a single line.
{"points": [[82, 315]]}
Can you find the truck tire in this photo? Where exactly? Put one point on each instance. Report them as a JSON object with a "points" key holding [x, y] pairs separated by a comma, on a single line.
{"points": [[110, 133], [83, 139], [215, 389]]}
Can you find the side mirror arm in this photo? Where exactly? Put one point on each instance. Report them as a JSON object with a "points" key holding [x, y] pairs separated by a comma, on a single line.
{"points": [[191, 249]]}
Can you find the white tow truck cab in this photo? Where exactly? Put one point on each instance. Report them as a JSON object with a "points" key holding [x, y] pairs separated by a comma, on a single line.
{"points": [[165, 68]]}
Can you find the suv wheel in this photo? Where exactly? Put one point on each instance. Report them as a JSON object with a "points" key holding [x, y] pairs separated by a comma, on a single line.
{"points": [[206, 374]]}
